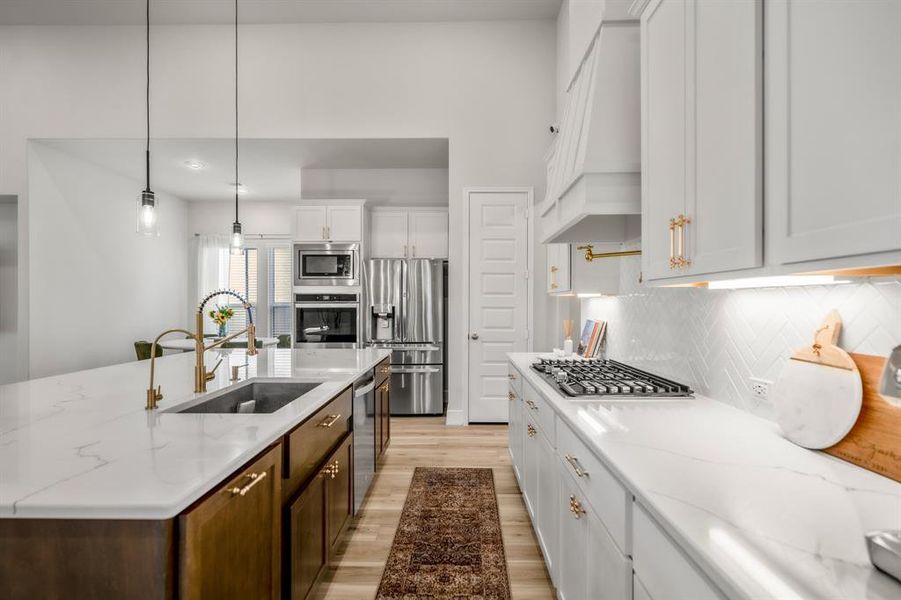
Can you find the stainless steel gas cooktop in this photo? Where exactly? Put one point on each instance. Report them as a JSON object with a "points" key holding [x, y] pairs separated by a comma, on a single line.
{"points": [[598, 377]]}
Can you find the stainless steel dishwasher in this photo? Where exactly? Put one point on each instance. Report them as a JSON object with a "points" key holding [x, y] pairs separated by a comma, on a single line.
{"points": [[364, 436]]}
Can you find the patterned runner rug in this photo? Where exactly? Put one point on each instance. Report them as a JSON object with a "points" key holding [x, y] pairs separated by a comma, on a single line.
{"points": [[448, 544]]}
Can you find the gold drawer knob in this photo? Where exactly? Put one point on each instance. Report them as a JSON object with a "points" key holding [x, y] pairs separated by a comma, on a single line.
{"points": [[575, 507], [511, 396], [531, 430], [531, 405]]}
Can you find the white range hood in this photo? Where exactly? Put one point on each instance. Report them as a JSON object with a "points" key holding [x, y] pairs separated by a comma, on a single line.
{"points": [[594, 166]]}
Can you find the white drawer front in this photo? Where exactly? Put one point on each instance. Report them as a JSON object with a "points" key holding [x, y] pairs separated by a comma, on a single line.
{"points": [[538, 410], [664, 571], [515, 379], [611, 501]]}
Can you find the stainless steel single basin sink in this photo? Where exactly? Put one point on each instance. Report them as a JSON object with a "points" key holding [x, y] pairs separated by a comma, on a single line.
{"points": [[254, 397]]}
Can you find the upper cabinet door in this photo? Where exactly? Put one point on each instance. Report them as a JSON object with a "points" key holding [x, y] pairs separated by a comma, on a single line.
{"points": [[388, 237], [428, 234], [309, 223], [663, 131], [702, 131], [345, 223], [833, 119], [558, 268], [725, 191]]}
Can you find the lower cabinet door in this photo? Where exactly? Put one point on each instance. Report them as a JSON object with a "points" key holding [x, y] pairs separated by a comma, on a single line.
{"points": [[591, 566], [514, 431], [571, 577], [548, 513], [307, 548], [529, 473], [229, 541], [385, 436], [339, 490]]}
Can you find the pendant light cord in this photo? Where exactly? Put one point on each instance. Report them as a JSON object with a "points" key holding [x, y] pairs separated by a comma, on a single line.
{"points": [[147, 99], [237, 181]]}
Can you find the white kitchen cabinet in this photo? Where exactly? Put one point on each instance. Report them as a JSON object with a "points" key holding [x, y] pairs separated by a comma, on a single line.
{"points": [[701, 130], [590, 565], [345, 223], [515, 426], [559, 263], [326, 222], [665, 573], [529, 472], [428, 234], [546, 519], [388, 238], [310, 223], [409, 233], [833, 129]]}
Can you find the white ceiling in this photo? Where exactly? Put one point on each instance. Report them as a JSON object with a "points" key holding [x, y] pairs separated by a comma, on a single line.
{"points": [[174, 12], [270, 169]]}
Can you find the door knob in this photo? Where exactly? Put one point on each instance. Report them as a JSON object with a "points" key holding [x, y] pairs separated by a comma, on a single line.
{"points": [[474, 336]]}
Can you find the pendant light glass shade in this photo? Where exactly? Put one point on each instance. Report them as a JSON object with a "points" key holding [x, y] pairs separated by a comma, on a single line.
{"points": [[148, 214], [237, 242]]}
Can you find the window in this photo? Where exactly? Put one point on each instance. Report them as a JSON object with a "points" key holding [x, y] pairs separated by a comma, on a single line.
{"points": [[280, 290], [242, 278]]}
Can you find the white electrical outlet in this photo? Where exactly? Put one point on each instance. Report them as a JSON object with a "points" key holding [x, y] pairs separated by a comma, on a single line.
{"points": [[760, 388]]}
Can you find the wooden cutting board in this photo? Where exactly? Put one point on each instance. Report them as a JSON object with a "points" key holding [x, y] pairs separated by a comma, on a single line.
{"points": [[874, 442]]}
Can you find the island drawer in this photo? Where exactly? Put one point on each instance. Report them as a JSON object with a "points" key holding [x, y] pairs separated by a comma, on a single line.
{"points": [[611, 501], [539, 411], [382, 372], [308, 444], [515, 379]]}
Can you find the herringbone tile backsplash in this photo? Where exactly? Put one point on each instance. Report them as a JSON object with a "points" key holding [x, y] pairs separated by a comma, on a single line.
{"points": [[716, 340]]}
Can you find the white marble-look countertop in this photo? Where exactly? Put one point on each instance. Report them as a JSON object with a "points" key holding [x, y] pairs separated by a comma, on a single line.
{"points": [[81, 445], [762, 517]]}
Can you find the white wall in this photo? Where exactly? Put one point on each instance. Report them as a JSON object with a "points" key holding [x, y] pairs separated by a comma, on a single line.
{"points": [[96, 285], [257, 217], [716, 340], [407, 187], [487, 87], [8, 286]]}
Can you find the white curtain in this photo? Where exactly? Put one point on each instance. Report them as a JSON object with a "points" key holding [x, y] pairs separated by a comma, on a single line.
{"points": [[212, 270]]}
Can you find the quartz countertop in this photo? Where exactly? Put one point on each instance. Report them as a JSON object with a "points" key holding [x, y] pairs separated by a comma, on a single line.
{"points": [[762, 517], [81, 445]]}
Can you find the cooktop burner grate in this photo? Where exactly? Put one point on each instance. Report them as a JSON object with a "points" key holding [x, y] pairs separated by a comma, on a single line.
{"points": [[598, 377]]}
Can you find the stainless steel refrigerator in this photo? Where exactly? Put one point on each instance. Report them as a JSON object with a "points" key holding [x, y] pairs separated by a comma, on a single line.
{"points": [[404, 310]]}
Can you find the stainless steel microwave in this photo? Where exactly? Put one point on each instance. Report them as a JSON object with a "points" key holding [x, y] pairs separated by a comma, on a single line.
{"points": [[326, 264]]}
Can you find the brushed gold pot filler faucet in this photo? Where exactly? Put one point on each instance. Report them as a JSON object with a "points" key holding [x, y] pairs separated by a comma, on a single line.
{"points": [[201, 375]]}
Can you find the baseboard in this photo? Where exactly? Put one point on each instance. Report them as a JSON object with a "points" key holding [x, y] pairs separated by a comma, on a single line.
{"points": [[455, 418]]}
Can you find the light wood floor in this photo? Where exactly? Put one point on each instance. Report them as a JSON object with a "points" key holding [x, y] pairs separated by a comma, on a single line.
{"points": [[426, 442]]}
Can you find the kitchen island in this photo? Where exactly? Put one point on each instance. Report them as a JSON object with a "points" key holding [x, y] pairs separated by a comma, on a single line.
{"points": [[657, 498], [79, 456]]}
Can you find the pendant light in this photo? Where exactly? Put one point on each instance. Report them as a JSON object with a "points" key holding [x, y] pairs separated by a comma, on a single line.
{"points": [[148, 209], [237, 241]]}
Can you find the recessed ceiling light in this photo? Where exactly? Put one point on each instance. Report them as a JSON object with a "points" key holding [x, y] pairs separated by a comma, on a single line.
{"points": [[194, 164]]}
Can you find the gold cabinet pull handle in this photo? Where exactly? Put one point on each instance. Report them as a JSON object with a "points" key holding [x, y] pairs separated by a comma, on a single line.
{"points": [[574, 463], [683, 262], [531, 405], [575, 507], [330, 420], [672, 244], [511, 396], [255, 478], [511, 376], [554, 277], [405, 251], [531, 430]]}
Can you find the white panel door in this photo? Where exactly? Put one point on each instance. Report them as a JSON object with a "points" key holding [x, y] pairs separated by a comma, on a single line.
{"points": [[498, 297], [345, 223], [309, 223], [428, 234], [388, 234], [663, 131], [833, 128]]}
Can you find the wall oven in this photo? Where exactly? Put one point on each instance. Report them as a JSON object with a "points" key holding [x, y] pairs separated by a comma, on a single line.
{"points": [[326, 264], [327, 320]]}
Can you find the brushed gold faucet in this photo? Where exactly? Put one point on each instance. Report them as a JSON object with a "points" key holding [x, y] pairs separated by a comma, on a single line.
{"points": [[201, 375]]}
